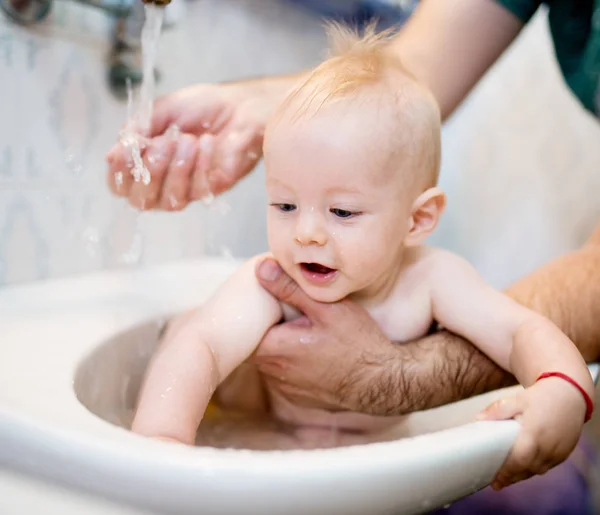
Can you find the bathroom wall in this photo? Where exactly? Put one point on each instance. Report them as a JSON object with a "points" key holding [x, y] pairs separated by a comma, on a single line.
{"points": [[58, 119], [521, 160], [521, 165]]}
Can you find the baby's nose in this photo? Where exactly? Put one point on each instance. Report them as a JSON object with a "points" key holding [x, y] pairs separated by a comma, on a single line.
{"points": [[310, 231]]}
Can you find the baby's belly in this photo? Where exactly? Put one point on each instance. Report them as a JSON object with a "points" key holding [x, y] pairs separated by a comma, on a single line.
{"points": [[241, 417], [317, 420]]}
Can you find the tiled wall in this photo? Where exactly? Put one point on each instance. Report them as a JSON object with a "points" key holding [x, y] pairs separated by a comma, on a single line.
{"points": [[58, 119], [521, 159]]}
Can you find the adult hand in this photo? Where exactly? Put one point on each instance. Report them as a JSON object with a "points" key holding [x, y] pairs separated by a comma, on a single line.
{"points": [[219, 141], [334, 357]]}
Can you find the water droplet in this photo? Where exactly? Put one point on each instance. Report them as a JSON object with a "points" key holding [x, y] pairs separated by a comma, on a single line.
{"points": [[252, 155], [173, 201], [208, 199], [119, 178], [133, 255], [180, 163], [69, 155], [91, 238], [205, 125]]}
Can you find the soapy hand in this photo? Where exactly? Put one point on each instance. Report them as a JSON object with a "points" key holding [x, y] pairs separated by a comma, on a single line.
{"points": [[551, 414], [217, 140]]}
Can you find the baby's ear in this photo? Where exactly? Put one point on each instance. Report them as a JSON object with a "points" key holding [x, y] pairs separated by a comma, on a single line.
{"points": [[425, 214]]}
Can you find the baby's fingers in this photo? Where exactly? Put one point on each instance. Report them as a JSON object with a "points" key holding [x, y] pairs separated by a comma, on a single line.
{"points": [[502, 409], [522, 462], [502, 480]]}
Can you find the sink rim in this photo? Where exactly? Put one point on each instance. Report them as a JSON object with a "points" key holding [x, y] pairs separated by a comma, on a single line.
{"points": [[82, 445]]}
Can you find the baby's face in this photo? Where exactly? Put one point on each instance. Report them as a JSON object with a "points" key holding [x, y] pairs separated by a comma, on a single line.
{"points": [[336, 219]]}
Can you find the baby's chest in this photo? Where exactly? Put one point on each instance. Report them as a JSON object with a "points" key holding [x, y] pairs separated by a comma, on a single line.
{"points": [[404, 321], [400, 320]]}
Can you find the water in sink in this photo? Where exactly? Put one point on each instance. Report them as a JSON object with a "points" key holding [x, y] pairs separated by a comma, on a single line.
{"points": [[108, 381]]}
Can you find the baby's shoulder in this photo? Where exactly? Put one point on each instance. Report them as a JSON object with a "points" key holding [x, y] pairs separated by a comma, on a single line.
{"points": [[432, 259], [431, 266]]}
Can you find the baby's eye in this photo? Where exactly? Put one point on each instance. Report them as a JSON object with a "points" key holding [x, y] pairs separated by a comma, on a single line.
{"points": [[343, 213], [285, 208]]}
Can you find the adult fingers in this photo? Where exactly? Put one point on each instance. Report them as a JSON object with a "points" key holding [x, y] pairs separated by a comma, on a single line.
{"points": [[273, 279], [156, 158], [118, 176], [175, 193], [235, 154]]}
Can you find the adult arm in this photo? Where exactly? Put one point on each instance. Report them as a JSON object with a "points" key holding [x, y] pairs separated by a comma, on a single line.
{"points": [[448, 44]]}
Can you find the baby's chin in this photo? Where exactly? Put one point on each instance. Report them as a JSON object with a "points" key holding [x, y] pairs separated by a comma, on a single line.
{"points": [[325, 294]]}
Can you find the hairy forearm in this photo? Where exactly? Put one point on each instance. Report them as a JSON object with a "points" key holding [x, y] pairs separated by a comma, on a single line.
{"points": [[430, 372], [567, 291], [443, 367]]}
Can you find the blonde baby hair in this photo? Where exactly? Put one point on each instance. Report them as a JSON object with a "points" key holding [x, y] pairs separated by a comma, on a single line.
{"points": [[361, 68]]}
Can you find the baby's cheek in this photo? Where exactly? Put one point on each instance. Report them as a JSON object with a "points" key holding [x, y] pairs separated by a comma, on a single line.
{"points": [[363, 251]]}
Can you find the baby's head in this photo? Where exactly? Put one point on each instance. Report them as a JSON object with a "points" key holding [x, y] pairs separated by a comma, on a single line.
{"points": [[352, 159]]}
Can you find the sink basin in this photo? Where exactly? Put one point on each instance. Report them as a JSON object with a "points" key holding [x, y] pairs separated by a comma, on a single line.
{"points": [[72, 356]]}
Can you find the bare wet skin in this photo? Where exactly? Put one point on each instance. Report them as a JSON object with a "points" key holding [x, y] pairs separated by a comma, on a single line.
{"points": [[239, 418], [230, 429], [233, 429]]}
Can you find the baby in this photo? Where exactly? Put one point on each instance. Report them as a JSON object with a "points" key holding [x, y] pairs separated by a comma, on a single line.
{"points": [[352, 159]]}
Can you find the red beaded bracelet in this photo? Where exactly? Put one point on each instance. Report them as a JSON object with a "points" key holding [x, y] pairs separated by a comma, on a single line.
{"points": [[589, 405]]}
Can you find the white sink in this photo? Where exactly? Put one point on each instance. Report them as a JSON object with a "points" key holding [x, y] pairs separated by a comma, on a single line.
{"points": [[72, 354]]}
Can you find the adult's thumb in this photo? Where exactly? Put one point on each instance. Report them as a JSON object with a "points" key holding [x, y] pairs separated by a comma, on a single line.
{"points": [[273, 279]]}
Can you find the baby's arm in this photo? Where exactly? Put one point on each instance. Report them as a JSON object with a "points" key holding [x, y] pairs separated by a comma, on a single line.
{"points": [[551, 411], [516, 338], [198, 351]]}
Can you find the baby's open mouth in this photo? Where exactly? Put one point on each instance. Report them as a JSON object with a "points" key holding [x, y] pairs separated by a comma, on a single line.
{"points": [[316, 268]]}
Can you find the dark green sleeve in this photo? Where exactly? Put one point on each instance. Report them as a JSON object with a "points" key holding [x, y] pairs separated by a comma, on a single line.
{"points": [[522, 9]]}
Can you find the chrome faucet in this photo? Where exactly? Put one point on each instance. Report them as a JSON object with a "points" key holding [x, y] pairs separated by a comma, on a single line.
{"points": [[125, 64]]}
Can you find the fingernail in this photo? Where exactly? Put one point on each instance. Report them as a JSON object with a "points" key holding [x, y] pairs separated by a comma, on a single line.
{"points": [[185, 151], [269, 270], [205, 143], [158, 152]]}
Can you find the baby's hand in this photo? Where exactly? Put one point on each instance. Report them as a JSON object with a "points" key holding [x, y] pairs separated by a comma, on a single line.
{"points": [[551, 413]]}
